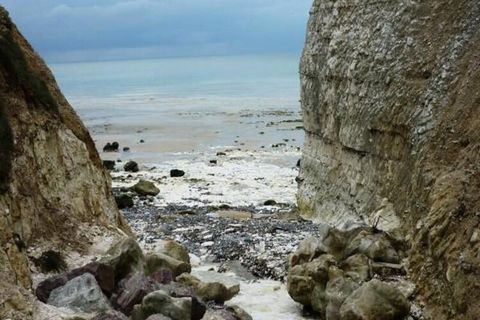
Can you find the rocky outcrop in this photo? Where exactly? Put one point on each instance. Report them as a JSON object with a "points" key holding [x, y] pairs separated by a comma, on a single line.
{"points": [[390, 100], [52, 180]]}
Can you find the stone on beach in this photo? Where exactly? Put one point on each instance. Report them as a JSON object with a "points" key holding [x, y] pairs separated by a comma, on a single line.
{"points": [[109, 164], [124, 200], [132, 290], [81, 293], [211, 286], [145, 188], [159, 302], [111, 147], [131, 166], [175, 250], [154, 262], [176, 173], [103, 273], [124, 256], [375, 300]]}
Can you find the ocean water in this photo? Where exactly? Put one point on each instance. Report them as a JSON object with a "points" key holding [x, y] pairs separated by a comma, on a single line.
{"points": [[186, 104]]}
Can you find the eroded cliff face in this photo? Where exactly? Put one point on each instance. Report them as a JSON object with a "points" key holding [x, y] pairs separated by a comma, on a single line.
{"points": [[391, 102], [51, 177]]}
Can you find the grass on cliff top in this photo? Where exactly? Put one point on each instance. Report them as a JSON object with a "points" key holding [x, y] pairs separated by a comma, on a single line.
{"points": [[20, 76]]}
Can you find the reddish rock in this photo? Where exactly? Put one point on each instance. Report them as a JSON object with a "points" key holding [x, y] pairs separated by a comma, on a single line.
{"points": [[103, 274], [163, 276], [132, 290]]}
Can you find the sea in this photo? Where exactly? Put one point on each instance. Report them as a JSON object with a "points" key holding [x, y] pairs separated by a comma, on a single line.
{"points": [[163, 108]]}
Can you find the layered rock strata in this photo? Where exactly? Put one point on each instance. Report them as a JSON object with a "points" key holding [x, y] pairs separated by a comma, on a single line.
{"points": [[51, 177], [390, 100]]}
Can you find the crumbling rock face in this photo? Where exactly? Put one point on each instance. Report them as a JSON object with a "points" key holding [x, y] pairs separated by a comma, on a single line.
{"points": [[51, 177], [390, 99]]}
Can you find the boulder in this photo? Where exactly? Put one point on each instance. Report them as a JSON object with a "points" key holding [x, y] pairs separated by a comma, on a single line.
{"points": [[308, 250], [109, 164], [132, 290], [145, 188], [162, 276], [375, 300], [154, 262], [210, 291], [80, 294], [124, 200], [176, 250], [111, 147], [124, 256], [305, 280], [375, 245], [216, 291], [110, 315], [179, 290], [103, 274], [176, 173], [45, 287], [159, 302], [339, 287], [239, 313], [131, 166], [358, 266]]}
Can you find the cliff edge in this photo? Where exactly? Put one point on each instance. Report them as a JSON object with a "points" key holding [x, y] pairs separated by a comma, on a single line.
{"points": [[52, 182], [390, 100]]}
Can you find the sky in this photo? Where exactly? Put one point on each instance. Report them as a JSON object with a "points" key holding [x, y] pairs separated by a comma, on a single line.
{"points": [[88, 30]]}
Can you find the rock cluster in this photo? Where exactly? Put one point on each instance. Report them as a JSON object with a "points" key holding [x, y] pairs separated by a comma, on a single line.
{"points": [[125, 283], [334, 275]]}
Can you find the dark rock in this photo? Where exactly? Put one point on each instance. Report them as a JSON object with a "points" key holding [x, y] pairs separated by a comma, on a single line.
{"points": [[45, 287], [126, 149], [131, 166], [299, 162], [221, 154], [213, 161], [104, 275], [124, 201], [109, 164], [111, 147], [142, 141], [270, 203], [50, 261], [176, 173]]}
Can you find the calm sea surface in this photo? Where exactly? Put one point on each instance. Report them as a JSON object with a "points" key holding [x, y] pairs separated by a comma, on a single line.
{"points": [[182, 104]]}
